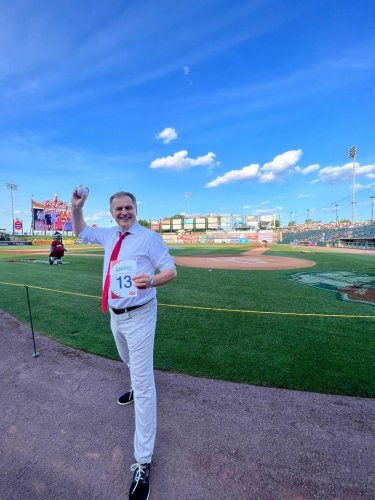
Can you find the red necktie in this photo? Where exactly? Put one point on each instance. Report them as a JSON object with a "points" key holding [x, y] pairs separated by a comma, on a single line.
{"points": [[114, 255]]}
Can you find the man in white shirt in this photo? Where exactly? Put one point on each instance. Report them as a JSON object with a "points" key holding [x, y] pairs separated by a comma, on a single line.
{"points": [[132, 254]]}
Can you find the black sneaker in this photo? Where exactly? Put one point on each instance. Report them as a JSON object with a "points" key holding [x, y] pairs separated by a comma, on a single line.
{"points": [[140, 487], [50, 261], [126, 398]]}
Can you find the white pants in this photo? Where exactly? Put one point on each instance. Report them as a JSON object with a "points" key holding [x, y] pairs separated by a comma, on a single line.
{"points": [[134, 334]]}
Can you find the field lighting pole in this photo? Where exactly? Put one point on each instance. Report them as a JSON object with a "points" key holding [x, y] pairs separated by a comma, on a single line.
{"points": [[337, 219], [353, 154], [12, 187], [372, 208]]}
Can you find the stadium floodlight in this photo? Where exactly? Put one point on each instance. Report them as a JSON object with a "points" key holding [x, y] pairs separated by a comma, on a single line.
{"points": [[353, 154], [12, 187], [372, 208], [337, 219]]}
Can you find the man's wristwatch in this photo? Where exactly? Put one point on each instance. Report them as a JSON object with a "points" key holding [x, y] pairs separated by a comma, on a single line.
{"points": [[151, 282]]}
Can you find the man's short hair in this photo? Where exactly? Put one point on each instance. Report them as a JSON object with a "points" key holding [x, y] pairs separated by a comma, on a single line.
{"points": [[120, 194]]}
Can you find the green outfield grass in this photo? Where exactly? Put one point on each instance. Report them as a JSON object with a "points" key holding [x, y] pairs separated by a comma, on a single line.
{"points": [[313, 352]]}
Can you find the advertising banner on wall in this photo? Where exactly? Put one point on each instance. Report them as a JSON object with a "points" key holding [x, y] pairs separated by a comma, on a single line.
{"points": [[50, 215], [251, 221], [212, 223], [238, 221], [18, 226], [226, 222], [177, 223], [169, 238], [189, 223], [186, 238], [155, 225], [265, 236], [165, 224]]}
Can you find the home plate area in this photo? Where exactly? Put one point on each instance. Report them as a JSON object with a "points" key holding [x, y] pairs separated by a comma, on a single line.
{"points": [[242, 262]]}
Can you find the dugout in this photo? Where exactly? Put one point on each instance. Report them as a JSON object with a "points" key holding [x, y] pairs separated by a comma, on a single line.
{"points": [[361, 243]]}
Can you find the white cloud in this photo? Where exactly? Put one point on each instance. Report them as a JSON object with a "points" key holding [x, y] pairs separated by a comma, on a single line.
{"points": [[337, 174], [283, 162], [186, 70], [181, 161], [265, 202], [274, 170], [309, 169], [268, 177], [315, 181], [168, 135], [245, 174]]}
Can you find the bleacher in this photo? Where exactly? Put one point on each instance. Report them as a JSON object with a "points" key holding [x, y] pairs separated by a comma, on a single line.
{"points": [[360, 235]]}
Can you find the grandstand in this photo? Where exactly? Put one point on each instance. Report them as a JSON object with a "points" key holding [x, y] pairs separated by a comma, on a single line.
{"points": [[357, 236]]}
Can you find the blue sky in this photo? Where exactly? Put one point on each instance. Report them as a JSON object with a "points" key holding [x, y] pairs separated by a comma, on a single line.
{"points": [[250, 106]]}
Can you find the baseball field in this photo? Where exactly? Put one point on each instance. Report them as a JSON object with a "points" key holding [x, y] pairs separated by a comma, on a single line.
{"points": [[258, 325]]}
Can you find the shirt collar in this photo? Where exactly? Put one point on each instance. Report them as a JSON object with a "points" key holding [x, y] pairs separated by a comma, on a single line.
{"points": [[133, 229]]}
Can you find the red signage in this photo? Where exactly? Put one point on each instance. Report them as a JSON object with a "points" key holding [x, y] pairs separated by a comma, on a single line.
{"points": [[18, 225]]}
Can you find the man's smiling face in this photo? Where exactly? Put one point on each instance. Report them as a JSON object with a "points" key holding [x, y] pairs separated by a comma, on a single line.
{"points": [[124, 212]]}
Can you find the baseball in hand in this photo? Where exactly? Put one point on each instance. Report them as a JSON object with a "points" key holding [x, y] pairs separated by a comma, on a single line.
{"points": [[82, 191]]}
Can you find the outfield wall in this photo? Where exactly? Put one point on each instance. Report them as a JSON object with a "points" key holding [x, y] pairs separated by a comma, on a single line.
{"points": [[230, 237]]}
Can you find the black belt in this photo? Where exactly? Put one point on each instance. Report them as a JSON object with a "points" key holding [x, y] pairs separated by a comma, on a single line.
{"points": [[128, 309]]}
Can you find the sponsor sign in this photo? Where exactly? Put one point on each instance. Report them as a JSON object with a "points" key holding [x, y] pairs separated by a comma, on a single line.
{"points": [[266, 218], [18, 225], [176, 223], [14, 243], [226, 222]]}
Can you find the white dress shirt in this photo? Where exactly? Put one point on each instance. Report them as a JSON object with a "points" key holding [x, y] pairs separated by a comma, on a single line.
{"points": [[143, 245]]}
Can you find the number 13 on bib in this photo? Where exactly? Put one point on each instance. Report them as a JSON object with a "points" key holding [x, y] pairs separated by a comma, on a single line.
{"points": [[121, 284]]}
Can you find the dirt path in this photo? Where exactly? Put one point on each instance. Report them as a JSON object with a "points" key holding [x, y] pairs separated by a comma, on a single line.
{"points": [[64, 437]]}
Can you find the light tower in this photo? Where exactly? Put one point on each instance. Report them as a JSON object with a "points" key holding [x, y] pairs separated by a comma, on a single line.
{"points": [[353, 154], [12, 187]]}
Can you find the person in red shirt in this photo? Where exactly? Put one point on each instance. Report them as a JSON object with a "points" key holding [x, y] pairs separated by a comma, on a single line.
{"points": [[57, 250]]}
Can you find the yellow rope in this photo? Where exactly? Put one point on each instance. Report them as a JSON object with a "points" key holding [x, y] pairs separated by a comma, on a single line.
{"points": [[217, 309]]}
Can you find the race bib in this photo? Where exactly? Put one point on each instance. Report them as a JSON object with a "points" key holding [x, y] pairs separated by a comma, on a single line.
{"points": [[121, 283]]}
